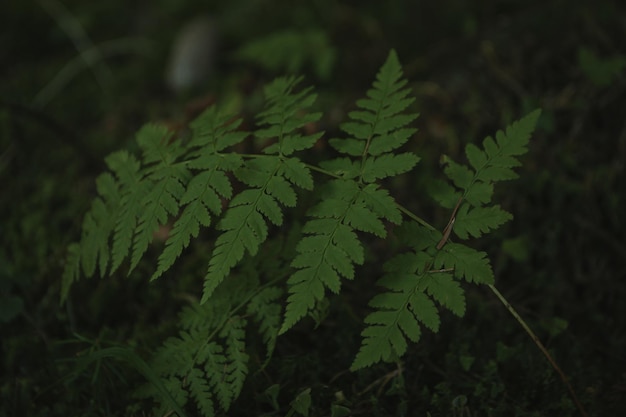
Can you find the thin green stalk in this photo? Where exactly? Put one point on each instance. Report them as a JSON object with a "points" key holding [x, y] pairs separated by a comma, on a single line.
{"points": [[541, 347]]}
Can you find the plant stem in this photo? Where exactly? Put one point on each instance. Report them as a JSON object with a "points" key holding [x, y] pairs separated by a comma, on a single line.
{"points": [[541, 347]]}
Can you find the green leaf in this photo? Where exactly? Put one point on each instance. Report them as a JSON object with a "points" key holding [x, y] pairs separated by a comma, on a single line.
{"points": [[284, 116], [460, 175], [388, 165], [302, 403], [476, 157], [133, 190], [393, 140], [446, 291], [159, 203], [378, 128], [479, 220], [362, 218], [479, 193], [342, 167], [215, 130], [297, 173], [291, 51], [468, 263], [157, 145], [600, 70], [492, 164], [381, 203], [201, 392]]}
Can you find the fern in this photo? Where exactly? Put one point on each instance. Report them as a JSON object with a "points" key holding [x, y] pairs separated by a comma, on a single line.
{"points": [[255, 262], [290, 51]]}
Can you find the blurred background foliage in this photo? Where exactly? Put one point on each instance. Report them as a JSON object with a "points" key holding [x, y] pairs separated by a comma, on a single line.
{"points": [[77, 79]]}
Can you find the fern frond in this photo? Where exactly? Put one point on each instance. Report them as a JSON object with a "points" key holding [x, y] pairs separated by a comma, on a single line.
{"points": [[321, 258], [270, 179], [290, 50], [201, 392], [147, 195], [331, 248], [159, 203], [413, 282], [133, 189], [412, 288], [236, 368], [495, 162], [284, 117], [166, 180], [243, 225], [98, 225], [206, 364], [213, 131], [415, 279], [379, 126]]}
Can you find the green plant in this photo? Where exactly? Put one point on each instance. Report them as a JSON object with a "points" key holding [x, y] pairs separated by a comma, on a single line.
{"points": [[253, 265]]}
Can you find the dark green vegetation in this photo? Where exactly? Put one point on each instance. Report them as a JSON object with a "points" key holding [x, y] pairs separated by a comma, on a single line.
{"points": [[472, 70]]}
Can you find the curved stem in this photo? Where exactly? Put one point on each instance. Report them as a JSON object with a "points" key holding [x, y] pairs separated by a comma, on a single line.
{"points": [[541, 347], [415, 217]]}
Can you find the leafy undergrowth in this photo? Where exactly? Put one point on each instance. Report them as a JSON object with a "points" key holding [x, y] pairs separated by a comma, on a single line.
{"points": [[472, 69]]}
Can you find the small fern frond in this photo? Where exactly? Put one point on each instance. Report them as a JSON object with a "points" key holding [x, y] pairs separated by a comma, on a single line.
{"points": [[201, 392], [284, 117], [207, 363], [412, 287], [270, 180], [494, 163], [290, 51], [379, 126], [213, 131], [236, 368]]}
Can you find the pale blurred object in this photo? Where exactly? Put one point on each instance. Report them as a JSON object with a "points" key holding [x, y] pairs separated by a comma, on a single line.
{"points": [[192, 55]]}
